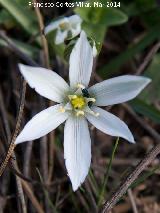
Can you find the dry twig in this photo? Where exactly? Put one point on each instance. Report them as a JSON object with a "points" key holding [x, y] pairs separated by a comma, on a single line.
{"points": [[11, 148], [16, 50], [44, 41], [16, 130], [47, 64], [133, 203], [148, 58], [32, 197]]}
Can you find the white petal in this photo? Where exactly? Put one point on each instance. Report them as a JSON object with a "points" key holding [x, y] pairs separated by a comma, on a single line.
{"points": [[42, 123], [76, 30], [81, 61], [110, 124], [46, 82], [118, 89], [77, 150], [52, 26], [75, 22], [55, 25], [60, 36]]}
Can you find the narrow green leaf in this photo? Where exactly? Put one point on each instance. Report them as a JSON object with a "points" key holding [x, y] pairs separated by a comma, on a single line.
{"points": [[46, 193], [146, 109], [144, 177], [113, 66], [93, 180], [106, 176], [74, 201], [103, 16], [143, 5], [6, 19], [22, 14], [152, 93], [27, 49], [96, 20]]}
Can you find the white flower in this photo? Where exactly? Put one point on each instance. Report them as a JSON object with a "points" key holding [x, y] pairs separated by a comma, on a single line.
{"points": [[77, 104], [65, 26]]}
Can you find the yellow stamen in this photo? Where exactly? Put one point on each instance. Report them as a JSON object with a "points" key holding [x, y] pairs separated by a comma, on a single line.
{"points": [[96, 114], [79, 112], [91, 99], [80, 86], [72, 97], [64, 25], [61, 109], [78, 102]]}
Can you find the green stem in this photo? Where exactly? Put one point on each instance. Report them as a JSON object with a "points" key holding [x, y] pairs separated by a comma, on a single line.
{"points": [[106, 176]]}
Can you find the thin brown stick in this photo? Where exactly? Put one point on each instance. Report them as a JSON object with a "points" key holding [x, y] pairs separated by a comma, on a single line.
{"points": [[4, 117], [11, 148], [44, 165], [27, 159], [47, 64], [133, 203], [20, 190], [148, 58], [44, 160], [16, 130], [90, 195], [51, 156], [32, 197], [17, 51], [44, 41], [5, 180], [83, 201]]}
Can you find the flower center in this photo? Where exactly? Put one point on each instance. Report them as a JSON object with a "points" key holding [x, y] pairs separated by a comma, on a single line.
{"points": [[78, 102], [64, 25]]}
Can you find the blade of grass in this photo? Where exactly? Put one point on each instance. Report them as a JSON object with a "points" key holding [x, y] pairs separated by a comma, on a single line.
{"points": [[146, 109], [22, 15], [74, 201], [106, 176], [93, 180], [46, 193], [144, 177], [113, 66], [25, 48]]}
